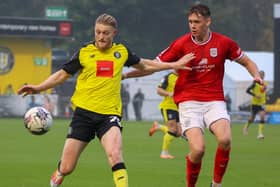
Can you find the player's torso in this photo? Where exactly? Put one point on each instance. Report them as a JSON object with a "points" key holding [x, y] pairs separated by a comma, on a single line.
{"points": [[208, 65], [168, 102], [259, 90], [98, 83], [205, 81]]}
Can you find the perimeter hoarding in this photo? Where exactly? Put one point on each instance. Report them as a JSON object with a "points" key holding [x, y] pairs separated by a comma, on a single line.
{"points": [[30, 27]]}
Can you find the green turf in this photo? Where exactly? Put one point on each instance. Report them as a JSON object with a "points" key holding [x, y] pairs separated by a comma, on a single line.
{"points": [[28, 161]]}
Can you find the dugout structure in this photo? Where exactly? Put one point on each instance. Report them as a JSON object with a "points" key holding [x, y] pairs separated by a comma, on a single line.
{"points": [[25, 49]]}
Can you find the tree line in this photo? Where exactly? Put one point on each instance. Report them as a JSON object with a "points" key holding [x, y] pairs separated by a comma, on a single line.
{"points": [[148, 27]]}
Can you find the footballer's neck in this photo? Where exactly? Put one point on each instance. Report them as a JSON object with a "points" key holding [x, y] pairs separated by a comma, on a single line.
{"points": [[202, 38]]}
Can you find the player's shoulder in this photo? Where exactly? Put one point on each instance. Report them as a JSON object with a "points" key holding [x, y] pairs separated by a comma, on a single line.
{"points": [[170, 75], [87, 44], [216, 35], [182, 40], [120, 45]]}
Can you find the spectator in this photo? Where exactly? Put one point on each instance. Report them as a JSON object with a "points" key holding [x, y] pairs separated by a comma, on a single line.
{"points": [[137, 104], [125, 101], [48, 104], [32, 102], [228, 102]]}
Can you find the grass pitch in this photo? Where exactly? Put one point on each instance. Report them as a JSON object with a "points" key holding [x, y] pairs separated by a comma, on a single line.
{"points": [[27, 160]]}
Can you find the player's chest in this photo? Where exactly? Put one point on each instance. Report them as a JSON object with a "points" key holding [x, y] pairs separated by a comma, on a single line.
{"points": [[102, 63], [214, 53]]}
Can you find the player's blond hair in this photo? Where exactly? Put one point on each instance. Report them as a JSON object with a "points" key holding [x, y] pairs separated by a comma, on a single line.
{"points": [[107, 19]]}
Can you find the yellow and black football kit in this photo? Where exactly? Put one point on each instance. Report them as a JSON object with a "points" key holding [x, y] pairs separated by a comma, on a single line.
{"points": [[97, 98], [257, 103], [167, 106], [169, 110], [100, 72]]}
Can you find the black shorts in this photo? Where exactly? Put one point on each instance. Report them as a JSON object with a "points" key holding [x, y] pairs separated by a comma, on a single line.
{"points": [[169, 114], [256, 109], [86, 124]]}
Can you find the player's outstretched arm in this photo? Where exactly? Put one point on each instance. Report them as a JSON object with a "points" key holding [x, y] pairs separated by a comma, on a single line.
{"points": [[52, 81], [147, 67]]}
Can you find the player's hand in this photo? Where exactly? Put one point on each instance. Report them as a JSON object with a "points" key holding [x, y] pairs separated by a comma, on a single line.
{"points": [[259, 80], [170, 94], [258, 96], [27, 90], [124, 76], [182, 62]]}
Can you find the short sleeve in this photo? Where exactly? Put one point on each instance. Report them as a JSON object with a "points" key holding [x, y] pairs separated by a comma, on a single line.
{"points": [[132, 58], [73, 65]]}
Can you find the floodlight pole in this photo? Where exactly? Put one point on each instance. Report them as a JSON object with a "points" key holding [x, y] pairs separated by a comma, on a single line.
{"points": [[276, 84]]}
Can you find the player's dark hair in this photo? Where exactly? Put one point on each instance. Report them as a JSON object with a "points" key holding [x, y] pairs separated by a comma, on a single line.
{"points": [[107, 19], [200, 9]]}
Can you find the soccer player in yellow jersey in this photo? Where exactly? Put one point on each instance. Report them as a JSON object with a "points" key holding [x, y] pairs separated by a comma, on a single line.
{"points": [[258, 101], [97, 99], [169, 111]]}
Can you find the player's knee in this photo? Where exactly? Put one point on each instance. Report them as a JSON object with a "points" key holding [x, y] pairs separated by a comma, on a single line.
{"points": [[115, 156], [224, 142], [197, 152]]}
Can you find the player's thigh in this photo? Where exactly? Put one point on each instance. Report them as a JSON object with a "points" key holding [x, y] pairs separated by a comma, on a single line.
{"points": [[262, 114], [71, 151], [112, 139], [112, 144]]}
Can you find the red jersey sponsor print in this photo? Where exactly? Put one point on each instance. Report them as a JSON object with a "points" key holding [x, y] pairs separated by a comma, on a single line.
{"points": [[105, 69], [205, 81]]}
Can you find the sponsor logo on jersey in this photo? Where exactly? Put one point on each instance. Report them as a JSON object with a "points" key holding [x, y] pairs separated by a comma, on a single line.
{"points": [[203, 61], [105, 69]]}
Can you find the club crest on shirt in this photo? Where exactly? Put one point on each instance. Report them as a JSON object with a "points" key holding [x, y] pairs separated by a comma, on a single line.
{"points": [[213, 52], [117, 54]]}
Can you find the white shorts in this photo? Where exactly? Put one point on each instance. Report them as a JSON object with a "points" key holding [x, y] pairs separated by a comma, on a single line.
{"points": [[201, 114]]}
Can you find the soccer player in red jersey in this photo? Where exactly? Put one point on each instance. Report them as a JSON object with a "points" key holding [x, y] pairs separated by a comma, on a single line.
{"points": [[199, 92]]}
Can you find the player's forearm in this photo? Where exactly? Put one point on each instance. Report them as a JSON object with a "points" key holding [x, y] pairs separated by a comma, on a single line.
{"points": [[163, 92], [53, 80], [154, 65], [253, 70], [136, 73], [251, 67]]}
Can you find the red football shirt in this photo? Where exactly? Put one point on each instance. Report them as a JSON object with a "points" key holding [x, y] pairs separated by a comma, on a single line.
{"points": [[205, 81]]}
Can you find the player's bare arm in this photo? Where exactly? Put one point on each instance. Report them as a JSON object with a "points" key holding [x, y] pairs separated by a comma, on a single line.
{"points": [[147, 67], [154, 65], [52, 81], [251, 68], [136, 73], [164, 93]]}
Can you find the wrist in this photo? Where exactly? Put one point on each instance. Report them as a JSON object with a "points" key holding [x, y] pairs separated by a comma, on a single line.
{"points": [[124, 76]]}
